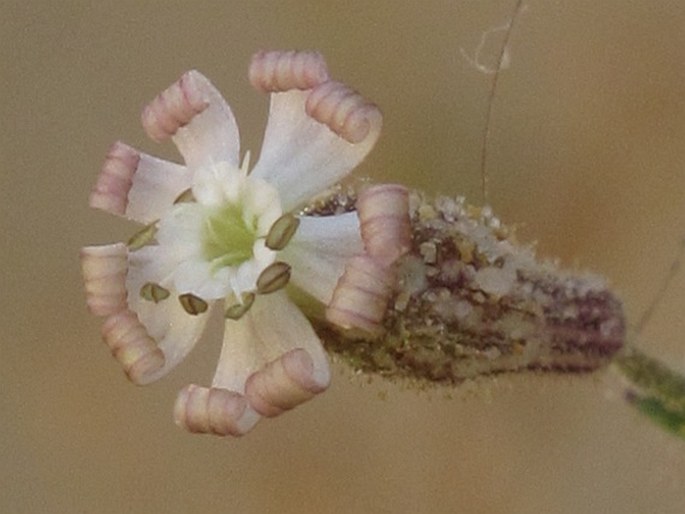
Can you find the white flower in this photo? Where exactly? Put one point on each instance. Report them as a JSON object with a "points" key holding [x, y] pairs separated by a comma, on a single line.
{"points": [[218, 236]]}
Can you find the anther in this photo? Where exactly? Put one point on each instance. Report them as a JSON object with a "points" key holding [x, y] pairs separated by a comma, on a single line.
{"points": [[153, 292], [238, 310], [282, 231], [143, 237], [192, 304], [273, 278]]}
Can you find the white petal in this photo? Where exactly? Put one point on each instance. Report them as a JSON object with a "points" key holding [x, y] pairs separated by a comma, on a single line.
{"points": [[174, 330], [319, 251], [261, 203], [241, 355], [216, 184], [272, 327], [212, 135], [199, 120], [180, 232], [245, 277], [136, 185], [156, 184], [199, 278], [301, 156]]}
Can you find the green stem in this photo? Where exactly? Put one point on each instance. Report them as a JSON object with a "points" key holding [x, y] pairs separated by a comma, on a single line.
{"points": [[656, 391]]}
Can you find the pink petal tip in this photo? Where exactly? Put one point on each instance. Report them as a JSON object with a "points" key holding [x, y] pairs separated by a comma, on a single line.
{"points": [[213, 411], [104, 276], [361, 297], [282, 71], [133, 347], [175, 106], [285, 383], [383, 212], [344, 111], [110, 192]]}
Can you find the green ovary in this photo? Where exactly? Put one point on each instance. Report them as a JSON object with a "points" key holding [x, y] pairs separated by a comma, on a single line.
{"points": [[228, 240]]}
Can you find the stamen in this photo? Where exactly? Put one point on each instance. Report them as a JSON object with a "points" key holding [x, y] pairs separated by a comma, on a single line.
{"points": [[154, 292], [185, 197], [284, 383], [238, 310], [282, 231], [383, 212], [213, 411], [143, 237], [245, 165], [361, 296], [274, 277], [343, 110], [192, 304], [282, 71]]}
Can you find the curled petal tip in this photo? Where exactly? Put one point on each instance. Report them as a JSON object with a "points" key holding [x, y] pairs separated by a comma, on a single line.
{"points": [[110, 192], [145, 365], [133, 347], [175, 106], [282, 71], [361, 297], [344, 111], [383, 212], [286, 382], [213, 411], [104, 276]]}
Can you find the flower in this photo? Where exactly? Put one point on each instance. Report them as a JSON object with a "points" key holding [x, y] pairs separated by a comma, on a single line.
{"points": [[219, 236]]}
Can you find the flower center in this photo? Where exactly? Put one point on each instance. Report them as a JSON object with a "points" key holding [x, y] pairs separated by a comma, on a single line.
{"points": [[228, 239]]}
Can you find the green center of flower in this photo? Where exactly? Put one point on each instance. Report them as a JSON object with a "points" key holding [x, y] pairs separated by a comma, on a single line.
{"points": [[228, 239]]}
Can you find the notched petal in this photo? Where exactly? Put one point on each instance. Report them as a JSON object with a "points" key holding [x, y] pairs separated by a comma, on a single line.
{"points": [[282, 71]]}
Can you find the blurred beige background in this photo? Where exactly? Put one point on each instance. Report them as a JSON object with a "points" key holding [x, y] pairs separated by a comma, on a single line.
{"points": [[587, 153]]}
